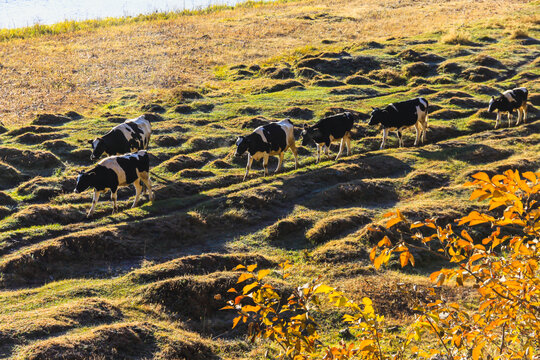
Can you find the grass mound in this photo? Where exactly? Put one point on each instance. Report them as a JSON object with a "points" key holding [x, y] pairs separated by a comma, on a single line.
{"points": [[332, 226], [198, 265], [124, 340], [9, 176]]}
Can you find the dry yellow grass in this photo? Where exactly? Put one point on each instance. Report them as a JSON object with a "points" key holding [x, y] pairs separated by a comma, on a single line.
{"points": [[79, 70]]}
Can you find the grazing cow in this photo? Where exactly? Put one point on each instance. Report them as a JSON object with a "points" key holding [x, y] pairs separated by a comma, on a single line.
{"points": [[132, 135], [400, 115], [114, 172], [509, 101], [265, 141], [329, 129]]}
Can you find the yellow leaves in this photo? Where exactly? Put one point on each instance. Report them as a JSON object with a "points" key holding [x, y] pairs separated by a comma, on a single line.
{"points": [[477, 351], [482, 176], [263, 273], [383, 258], [249, 287], [251, 268], [243, 277], [236, 321], [405, 257], [398, 217], [324, 289], [385, 242]]}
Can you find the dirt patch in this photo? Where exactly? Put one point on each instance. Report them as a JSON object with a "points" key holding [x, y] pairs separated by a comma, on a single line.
{"points": [[169, 140], [249, 110], [50, 119], [437, 133], [32, 139], [190, 297], [332, 226], [280, 86], [31, 129], [155, 108], [447, 94], [479, 74], [29, 159], [195, 173], [339, 252], [340, 64], [357, 191], [181, 95], [420, 181], [35, 215], [45, 188], [297, 113], [126, 341], [534, 99], [58, 145], [450, 67], [388, 76], [358, 80], [449, 114], [328, 83], [5, 199], [195, 144], [281, 74], [181, 162], [412, 55], [9, 176], [483, 89], [488, 61], [307, 73], [416, 69], [467, 103], [471, 153], [49, 321], [287, 226], [338, 110], [477, 125], [198, 265]]}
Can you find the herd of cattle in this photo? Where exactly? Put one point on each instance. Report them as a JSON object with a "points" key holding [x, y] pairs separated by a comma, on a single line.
{"points": [[128, 162]]}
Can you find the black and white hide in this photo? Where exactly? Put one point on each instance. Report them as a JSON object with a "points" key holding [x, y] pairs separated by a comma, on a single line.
{"points": [[510, 100], [328, 130], [114, 172], [130, 136], [265, 141], [400, 115]]}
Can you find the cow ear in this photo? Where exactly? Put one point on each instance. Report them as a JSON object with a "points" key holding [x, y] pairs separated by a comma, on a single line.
{"points": [[492, 97]]}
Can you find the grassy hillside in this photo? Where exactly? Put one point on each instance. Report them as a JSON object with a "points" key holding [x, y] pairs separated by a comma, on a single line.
{"points": [[141, 283]]}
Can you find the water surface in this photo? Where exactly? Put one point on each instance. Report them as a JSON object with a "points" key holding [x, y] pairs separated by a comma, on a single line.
{"points": [[20, 13]]}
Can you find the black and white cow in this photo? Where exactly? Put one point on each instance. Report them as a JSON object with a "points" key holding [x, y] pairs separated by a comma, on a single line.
{"points": [[327, 130], [265, 141], [132, 135], [400, 115], [114, 172], [510, 100]]}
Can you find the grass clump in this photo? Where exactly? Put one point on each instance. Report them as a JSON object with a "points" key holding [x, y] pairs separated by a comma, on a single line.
{"points": [[455, 37]]}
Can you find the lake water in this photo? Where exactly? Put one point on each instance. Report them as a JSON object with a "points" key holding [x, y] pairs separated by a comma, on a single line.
{"points": [[20, 13]]}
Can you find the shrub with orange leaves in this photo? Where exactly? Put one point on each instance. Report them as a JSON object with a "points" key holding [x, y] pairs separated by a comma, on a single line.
{"points": [[503, 268]]}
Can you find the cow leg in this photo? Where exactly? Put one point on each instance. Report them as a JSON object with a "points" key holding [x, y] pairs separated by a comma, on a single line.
{"points": [[524, 109], [341, 145], [384, 134], [400, 139], [138, 189], [280, 162], [265, 163], [509, 119], [145, 177], [327, 149], [498, 119], [295, 153], [318, 154], [417, 139], [248, 167], [94, 202], [348, 144], [518, 116], [114, 199]]}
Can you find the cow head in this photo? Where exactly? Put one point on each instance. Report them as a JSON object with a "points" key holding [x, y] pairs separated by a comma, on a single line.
{"points": [[308, 133], [242, 144], [84, 181], [376, 116], [98, 148], [495, 103]]}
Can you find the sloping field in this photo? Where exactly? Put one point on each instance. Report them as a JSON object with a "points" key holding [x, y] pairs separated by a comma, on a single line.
{"points": [[141, 283]]}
